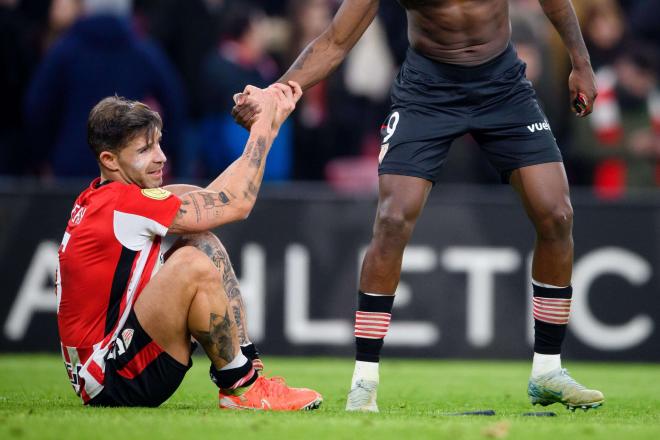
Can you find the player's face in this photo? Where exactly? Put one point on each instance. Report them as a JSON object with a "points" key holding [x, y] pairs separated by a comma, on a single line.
{"points": [[142, 162]]}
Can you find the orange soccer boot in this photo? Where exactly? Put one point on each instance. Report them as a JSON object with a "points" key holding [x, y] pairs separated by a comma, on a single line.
{"points": [[271, 394]]}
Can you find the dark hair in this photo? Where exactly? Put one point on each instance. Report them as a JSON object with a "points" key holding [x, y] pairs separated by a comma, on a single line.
{"points": [[115, 121]]}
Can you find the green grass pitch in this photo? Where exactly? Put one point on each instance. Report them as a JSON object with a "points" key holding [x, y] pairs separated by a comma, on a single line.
{"points": [[36, 402]]}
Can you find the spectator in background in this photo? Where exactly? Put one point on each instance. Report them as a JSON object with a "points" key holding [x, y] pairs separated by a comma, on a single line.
{"points": [[313, 135], [99, 56], [61, 16], [622, 141], [644, 21], [17, 57], [620, 144], [187, 30], [240, 58], [604, 31]]}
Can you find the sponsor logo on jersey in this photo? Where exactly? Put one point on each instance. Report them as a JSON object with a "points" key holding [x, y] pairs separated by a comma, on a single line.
{"points": [[156, 193], [538, 126], [127, 336]]}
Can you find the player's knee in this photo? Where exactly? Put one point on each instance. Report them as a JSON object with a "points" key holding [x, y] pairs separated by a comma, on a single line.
{"points": [[557, 224], [193, 263], [393, 225], [200, 240]]}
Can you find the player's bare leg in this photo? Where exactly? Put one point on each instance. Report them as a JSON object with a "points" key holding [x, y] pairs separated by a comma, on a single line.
{"points": [[545, 195], [187, 297], [401, 199], [211, 245]]}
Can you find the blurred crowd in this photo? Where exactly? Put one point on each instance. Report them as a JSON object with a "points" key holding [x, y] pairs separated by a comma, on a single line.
{"points": [[186, 58]]}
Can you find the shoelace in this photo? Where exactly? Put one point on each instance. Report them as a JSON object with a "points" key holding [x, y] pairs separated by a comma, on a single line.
{"points": [[274, 386], [570, 380]]}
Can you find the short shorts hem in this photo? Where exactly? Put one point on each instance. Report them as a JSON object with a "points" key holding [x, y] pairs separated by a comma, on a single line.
{"points": [[409, 173], [506, 174], [143, 374]]}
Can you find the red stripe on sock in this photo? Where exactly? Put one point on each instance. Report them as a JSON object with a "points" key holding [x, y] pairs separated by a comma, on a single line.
{"points": [[371, 325], [552, 310]]}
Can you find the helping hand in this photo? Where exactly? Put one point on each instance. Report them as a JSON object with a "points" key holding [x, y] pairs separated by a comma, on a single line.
{"points": [[246, 110]]}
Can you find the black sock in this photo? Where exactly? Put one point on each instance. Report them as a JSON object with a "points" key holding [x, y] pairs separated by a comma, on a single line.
{"points": [[551, 311], [233, 378], [250, 351], [372, 320]]}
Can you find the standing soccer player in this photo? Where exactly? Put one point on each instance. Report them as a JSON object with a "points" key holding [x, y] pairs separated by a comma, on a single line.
{"points": [[462, 75], [125, 316]]}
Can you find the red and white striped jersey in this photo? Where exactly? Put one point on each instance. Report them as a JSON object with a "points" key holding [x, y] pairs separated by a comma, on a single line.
{"points": [[110, 250]]}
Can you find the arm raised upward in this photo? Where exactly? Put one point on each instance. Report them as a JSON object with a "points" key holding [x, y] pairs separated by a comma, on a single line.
{"points": [[325, 53], [231, 196]]}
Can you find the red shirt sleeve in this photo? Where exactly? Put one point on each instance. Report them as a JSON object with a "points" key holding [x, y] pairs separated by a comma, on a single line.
{"points": [[155, 204]]}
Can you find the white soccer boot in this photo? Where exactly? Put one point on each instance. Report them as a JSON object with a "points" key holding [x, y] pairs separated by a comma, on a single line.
{"points": [[362, 396], [558, 386]]}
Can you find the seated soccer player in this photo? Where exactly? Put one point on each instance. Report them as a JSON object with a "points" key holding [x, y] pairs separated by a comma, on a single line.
{"points": [[126, 315]]}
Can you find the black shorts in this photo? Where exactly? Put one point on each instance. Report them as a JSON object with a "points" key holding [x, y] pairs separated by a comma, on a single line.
{"points": [[137, 370], [434, 103]]}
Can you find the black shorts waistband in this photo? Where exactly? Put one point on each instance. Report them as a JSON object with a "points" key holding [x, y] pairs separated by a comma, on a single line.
{"points": [[456, 72]]}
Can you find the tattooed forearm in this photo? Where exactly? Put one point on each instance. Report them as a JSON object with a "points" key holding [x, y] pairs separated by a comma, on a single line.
{"points": [[248, 149], [253, 189], [257, 153]]}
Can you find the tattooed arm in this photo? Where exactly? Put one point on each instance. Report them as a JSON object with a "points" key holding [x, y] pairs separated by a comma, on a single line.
{"points": [[322, 56], [179, 189], [231, 196], [581, 79]]}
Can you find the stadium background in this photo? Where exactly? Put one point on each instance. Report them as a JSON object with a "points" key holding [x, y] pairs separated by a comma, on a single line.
{"points": [[464, 290]]}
